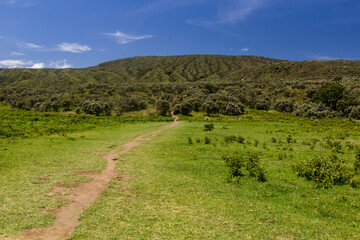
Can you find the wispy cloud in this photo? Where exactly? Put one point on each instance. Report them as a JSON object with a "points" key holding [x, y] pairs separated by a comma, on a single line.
{"points": [[32, 45], [15, 63], [231, 12], [245, 49], [60, 64], [17, 54], [73, 47], [1, 37], [323, 58], [20, 3], [124, 38]]}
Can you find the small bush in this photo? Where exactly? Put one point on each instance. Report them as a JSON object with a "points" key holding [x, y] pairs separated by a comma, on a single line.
{"points": [[209, 127], [230, 139], [240, 139], [198, 140], [235, 162], [207, 140], [254, 167], [326, 172], [355, 182], [190, 141], [273, 140]]}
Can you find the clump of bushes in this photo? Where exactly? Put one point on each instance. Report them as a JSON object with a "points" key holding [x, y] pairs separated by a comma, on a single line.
{"points": [[236, 162], [234, 138], [209, 127], [326, 172], [283, 106]]}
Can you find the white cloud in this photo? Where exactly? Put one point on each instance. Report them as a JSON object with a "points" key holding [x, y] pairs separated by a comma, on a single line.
{"points": [[38, 65], [21, 3], [323, 58], [15, 63], [60, 64], [73, 47], [123, 38], [17, 54], [32, 45], [245, 49]]}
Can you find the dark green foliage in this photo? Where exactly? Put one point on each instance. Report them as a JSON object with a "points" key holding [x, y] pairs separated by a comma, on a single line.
{"points": [[240, 139], [207, 140], [326, 172], [234, 138], [355, 182], [176, 109], [289, 139], [230, 139], [357, 162], [255, 169], [190, 141], [97, 108], [355, 113], [329, 95], [210, 107], [235, 162], [284, 106], [163, 108], [185, 108], [235, 109], [208, 127], [262, 104]]}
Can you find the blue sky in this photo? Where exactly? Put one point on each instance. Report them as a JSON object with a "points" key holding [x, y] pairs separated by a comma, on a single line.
{"points": [[82, 33]]}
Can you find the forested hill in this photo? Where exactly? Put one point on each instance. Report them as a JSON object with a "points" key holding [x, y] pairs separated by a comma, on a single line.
{"points": [[199, 80], [188, 68]]}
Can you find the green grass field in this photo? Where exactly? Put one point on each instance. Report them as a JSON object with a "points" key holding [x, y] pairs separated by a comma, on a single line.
{"points": [[180, 190]]}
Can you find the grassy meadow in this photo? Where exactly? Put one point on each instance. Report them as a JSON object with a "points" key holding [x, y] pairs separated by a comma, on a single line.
{"points": [[179, 187]]}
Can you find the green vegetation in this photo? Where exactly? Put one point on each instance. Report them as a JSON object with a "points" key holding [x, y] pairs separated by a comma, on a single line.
{"points": [[210, 83], [233, 169], [179, 190], [19, 123], [30, 168]]}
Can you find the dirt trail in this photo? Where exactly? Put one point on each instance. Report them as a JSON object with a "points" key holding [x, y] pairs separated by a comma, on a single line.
{"points": [[86, 193]]}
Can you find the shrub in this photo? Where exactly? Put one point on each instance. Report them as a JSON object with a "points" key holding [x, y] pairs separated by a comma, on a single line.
{"points": [[262, 104], [284, 106], [209, 127], [163, 108], [230, 139], [255, 169], [210, 107], [234, 109], [235, 162], [207, 140], [190, 141], [355, 112], [329, 95], [240, 139], [355, 181], [185, 108], [324, 171], [176, 109]]}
